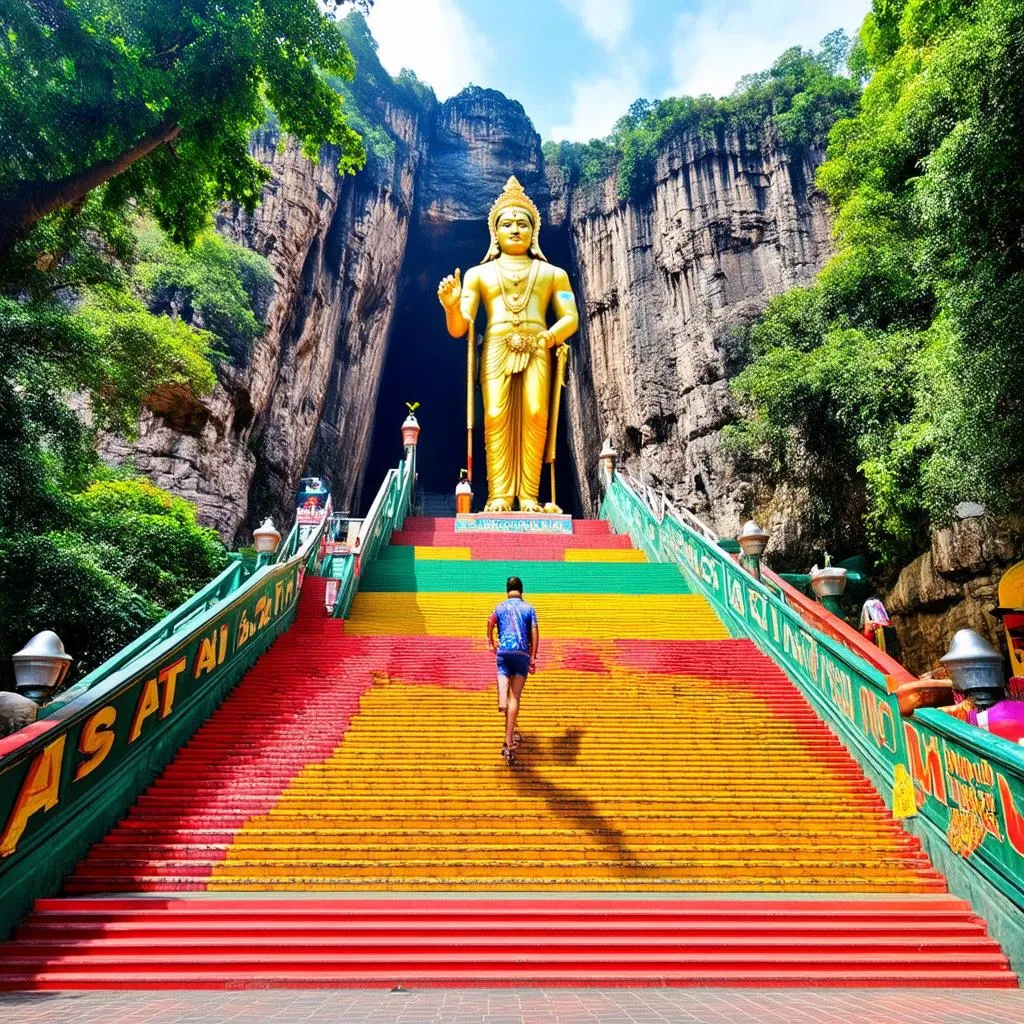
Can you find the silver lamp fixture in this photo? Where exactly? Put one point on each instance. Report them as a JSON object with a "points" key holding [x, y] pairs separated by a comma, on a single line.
{"points": [[266, 538], [752, 541], [41, 666], [973, 663]]}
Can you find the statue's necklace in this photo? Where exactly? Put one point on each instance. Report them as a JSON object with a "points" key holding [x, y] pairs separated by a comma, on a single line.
{"points": [[517, 301]]}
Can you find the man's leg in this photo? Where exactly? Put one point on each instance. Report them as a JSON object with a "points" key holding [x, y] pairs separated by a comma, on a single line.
{"points": [[502, 694], [515, 690]]}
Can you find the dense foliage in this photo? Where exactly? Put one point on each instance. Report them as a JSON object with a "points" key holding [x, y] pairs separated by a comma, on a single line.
{"points": [[803, 93], [120, 555], [893, 381], [100, 560], [220, 285], [159, 98], [123, 123]]}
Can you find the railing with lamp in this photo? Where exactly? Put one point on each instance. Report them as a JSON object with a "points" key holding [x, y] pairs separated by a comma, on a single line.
{"points": [[387, 514], [959, 788], [65, 779]]}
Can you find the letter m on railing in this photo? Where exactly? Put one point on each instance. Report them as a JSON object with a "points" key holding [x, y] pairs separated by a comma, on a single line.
{"points": [[925, 763]]}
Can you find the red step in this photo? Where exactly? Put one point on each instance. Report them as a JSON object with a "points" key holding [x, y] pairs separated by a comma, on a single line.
{"points": [[304, 943]]}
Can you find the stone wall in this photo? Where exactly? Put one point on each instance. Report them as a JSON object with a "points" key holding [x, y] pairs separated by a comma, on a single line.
{"points": [[952, 586], [667, 283]]}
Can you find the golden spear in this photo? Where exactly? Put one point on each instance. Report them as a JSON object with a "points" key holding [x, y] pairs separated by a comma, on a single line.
{"points": [[470, 373], [561, 359]]}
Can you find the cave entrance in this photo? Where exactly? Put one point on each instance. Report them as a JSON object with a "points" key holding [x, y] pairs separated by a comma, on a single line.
{"points": [[424, 364]]}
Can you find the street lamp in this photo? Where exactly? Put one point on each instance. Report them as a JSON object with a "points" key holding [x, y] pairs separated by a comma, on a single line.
{"points": [[606, 463], [410, 431], [975, 667], [40, 666], [266, 537], [752, 541]]}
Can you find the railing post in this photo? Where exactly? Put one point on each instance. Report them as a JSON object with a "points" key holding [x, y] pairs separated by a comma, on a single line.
{"points": [[752, 541]]}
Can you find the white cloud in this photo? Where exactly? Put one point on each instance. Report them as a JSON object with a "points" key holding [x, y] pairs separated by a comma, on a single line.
{"points": [[597, 104], [435, 39], [719, 42], [606, 21]]}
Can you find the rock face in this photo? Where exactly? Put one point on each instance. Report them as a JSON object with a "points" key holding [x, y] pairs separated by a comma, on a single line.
{"points": [[16, 712], [663, 284], [479, 138], [303, 399], [954, 585], [666, 283]]}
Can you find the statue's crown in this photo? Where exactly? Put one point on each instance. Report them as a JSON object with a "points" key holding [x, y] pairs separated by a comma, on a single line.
{"points": [[513, 194]]}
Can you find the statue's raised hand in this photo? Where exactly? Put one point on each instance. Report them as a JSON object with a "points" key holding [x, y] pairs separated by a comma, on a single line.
{"points": [[449, 291]]}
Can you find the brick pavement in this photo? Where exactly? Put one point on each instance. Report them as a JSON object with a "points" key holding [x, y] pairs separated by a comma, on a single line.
{"points": [[531, 1006]]}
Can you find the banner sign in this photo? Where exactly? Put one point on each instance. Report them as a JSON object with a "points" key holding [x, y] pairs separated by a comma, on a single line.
{"points": [[966, 782]]}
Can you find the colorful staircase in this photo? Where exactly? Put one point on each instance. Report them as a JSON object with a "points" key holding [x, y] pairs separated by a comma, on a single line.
{"points": [[679, 815]]}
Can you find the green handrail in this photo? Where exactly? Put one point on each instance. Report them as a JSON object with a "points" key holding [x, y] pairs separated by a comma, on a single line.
{"points": [[387, 514], [229, 580], [67, 778], [961, 789]]}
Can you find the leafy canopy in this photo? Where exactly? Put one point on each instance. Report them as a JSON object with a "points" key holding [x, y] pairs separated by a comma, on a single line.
{"points": [[99, 559], [126, 554], [112, 111], [901, 363], [84, 84]]}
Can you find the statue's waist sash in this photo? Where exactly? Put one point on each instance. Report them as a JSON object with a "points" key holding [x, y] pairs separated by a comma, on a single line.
{"points": [[509, 347]]}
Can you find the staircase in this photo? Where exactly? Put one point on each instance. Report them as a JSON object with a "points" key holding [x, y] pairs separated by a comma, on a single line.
{"points": [[678, 816]]}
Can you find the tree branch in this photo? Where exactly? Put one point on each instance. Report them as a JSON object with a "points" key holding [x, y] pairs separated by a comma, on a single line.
{"points": [[35, 199]]}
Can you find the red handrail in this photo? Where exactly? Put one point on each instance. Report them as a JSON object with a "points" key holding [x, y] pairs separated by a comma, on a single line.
{"points": [[822, 619]]}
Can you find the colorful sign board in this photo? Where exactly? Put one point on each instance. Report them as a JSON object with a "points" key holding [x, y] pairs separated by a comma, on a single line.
{"points": [[512, 522]]}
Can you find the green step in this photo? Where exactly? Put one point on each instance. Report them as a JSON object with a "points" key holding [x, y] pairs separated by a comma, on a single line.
{"points": [[407, 575]]}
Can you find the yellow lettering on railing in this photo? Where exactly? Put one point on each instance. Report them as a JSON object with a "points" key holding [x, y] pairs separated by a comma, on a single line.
{"points": [[39, 792], [96, 740], [149, 703], [169, 680], [925, 764]]}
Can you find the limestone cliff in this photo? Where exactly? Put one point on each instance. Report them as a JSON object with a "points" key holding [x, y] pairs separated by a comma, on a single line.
{"points": [[954, 585], [303, 399], [665, 285]]}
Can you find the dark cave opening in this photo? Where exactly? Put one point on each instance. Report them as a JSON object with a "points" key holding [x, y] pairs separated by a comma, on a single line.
{"points": [[424, 364]]}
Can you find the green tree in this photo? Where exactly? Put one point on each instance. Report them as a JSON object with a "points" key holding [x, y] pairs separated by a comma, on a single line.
{"points": [[803, 93], [127, 554], [100, 560], [158, 98], [927, 182]]}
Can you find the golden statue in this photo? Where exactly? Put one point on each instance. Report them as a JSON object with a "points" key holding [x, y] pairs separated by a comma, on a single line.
{"points": [[517, 286]]}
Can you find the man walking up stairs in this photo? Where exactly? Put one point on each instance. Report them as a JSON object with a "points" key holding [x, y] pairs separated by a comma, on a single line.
{"points": [[516, 655], [683, 817]]}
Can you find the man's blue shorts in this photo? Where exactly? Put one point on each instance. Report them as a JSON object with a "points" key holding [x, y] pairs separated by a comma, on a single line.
{"points": [[513, 663]]}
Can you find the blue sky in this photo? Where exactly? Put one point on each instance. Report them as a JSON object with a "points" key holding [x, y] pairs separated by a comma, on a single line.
{"points": [[576, 65]]}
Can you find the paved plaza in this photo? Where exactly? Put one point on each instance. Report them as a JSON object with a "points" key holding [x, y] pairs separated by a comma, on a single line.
{"points": [[529, 1006]]}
